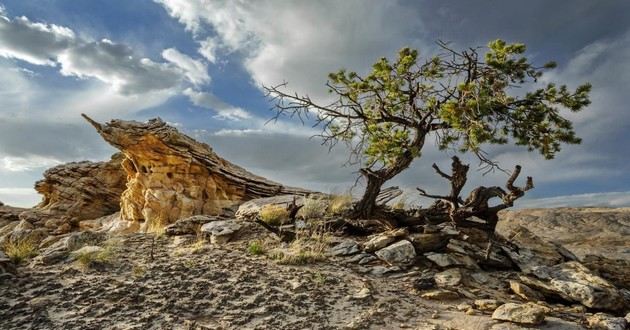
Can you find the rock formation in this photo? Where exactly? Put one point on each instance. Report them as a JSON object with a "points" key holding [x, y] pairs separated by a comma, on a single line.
{"points": [[77, 191], [171, 176]]}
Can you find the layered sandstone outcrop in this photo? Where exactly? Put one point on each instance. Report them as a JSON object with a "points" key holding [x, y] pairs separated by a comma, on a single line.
{"points": [[171, 176], [77, 191]]}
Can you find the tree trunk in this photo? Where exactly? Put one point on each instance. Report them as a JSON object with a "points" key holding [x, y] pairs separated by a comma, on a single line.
{"points": [[366, 205]]}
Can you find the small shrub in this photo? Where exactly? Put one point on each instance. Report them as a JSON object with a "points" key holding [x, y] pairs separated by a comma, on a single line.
{"points": [[274, 215], [256, 248], [20, 250], [340, 204], [314, 208]]}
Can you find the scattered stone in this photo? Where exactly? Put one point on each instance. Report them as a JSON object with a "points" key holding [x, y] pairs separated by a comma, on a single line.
{"points": [[440, 294], [382, 240], [446, 260], [525, 292], [463, 307], [487, 304], [381, 271], [220, 232], [572, 281], [448, 278], [602, 321], [528, 314], [345, 248], [400, 253]]}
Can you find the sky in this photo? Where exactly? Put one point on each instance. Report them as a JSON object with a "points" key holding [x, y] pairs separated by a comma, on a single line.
{"points": [[200, 65]]}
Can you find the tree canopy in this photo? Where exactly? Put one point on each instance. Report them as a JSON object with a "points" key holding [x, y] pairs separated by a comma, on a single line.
{"points": [[465, 99]]}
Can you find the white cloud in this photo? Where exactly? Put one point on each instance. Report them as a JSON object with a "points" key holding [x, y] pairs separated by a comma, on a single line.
{"points": [[20, 164], [113, 63], [208, 49], [210, 101], [301, 42], [33, 42], [609, 199], [196, 71]]}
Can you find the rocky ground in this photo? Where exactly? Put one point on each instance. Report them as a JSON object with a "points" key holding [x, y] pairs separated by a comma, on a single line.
{"points": [[216, 287], [190, 283]]}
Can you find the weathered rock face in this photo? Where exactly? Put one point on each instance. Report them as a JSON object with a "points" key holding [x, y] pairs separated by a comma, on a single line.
{"points": [[596, 237], [171, 176], [9, 214], [77, 191]]}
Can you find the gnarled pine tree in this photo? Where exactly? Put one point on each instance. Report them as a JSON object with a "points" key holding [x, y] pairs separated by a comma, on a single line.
{"points": [[463, 98]]}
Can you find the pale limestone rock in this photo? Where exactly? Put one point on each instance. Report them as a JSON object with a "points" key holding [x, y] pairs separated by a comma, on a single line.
{"points": [[400, 253], [448, 278], [602, 321], [440, 295], [528, 314], [221, 231], [573, 281], [382, 240], [75, 192], [597, 237], [171, 176]]}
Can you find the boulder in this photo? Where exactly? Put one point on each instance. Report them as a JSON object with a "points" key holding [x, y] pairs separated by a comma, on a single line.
{"points": [[574, 282], [602, 321], [448, 278], [220, 232], [527, 314], [597, 237], [400, 253], [345, 248], [170, 176]]}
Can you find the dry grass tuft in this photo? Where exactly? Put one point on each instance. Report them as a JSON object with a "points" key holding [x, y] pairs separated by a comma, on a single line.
{"points": [[340, 204], [256, 248], [274, 215], [305, 249], [20, 250], [107, 255]]}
